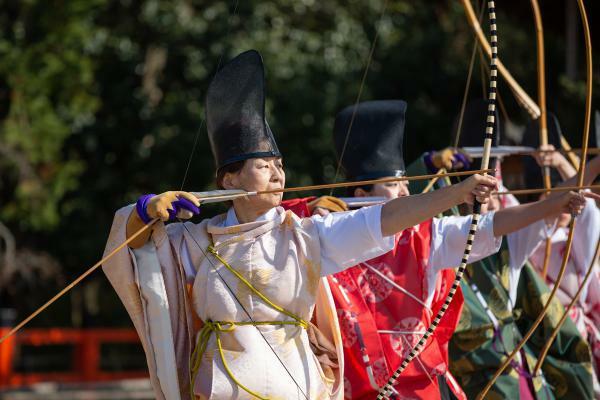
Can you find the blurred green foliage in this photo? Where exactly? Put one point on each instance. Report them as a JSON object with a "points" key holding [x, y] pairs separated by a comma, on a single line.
{"points": [[101, 100]]}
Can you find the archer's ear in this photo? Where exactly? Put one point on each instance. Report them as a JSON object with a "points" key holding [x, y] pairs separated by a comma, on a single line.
{"points": [[229, 181], [360, 192]]}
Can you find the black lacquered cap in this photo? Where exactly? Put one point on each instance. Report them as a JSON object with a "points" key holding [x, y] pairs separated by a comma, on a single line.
{"points": [[373, 137], [235, 112]]}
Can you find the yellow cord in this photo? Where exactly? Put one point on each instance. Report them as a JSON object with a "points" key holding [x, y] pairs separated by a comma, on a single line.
{"points": [[214, 252], [228, 326]]}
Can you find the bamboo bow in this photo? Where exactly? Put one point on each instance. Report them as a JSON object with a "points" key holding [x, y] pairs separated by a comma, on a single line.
{"points": [[588, 112], [386, 390], [520, 94], [589, 74], [543, 121]]}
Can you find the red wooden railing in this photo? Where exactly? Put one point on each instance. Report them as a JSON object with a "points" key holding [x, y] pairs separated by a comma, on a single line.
{"points": [[86, 357]]}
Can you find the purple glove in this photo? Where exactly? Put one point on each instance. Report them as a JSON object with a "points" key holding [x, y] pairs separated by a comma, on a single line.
{"points": [[460, 158], [141, 207], [428, 163], [182, 204]]}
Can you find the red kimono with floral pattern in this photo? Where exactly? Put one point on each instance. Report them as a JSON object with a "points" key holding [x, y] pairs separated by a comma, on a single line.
{"points": [[383, 312]]}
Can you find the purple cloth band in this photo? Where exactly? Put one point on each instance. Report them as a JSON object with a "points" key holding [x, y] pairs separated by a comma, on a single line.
{"points": [[428, 163], [461, 158], [182, 204], [141, 206]]}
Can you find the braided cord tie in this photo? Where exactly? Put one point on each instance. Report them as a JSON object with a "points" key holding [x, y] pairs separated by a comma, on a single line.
{"points": [[386, 390], [218, 327]]}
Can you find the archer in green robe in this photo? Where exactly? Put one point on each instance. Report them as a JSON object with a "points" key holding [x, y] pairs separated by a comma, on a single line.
{"points": [[482, 342], [491, 326]]}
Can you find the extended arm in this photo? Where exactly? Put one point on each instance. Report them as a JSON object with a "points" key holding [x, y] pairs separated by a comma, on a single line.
{"points": [[549, 157], [404, 212], [592, 169], [512, 219]]}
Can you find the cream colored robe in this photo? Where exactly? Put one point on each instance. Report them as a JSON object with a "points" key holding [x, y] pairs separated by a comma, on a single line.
{"points": [[280, 258]]}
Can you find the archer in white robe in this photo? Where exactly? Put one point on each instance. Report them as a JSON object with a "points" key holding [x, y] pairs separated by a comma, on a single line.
{"points": [[170, 287]]}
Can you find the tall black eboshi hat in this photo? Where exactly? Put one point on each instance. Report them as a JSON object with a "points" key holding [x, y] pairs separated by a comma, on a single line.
{"points": [[474, 124], [373, 139], [235, 112]]}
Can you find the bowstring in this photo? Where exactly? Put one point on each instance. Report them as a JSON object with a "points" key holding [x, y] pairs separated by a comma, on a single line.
{"points": [[469, 80], [360, 90], [202, 122]]}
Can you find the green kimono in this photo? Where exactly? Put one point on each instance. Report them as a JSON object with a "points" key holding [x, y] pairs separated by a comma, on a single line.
{"points": [[478, 348]]}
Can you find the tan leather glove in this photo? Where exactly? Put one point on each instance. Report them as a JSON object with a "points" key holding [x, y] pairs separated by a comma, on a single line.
{"points": [[169, 205], [329, 203], [447, 159]]}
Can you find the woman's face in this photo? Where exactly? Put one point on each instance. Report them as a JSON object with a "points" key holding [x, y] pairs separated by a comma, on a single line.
{"points": [[389, 190], [493, 205], [258, 174]]}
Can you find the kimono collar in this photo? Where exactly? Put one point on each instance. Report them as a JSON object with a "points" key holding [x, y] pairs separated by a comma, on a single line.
{"points": [[223, 233], [231, 218]]}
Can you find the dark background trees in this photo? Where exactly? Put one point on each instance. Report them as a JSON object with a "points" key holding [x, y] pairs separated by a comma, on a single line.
{"points": [[100, 101]]}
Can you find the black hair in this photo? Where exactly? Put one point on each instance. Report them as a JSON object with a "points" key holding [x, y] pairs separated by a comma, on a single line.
{"points": [[229, 168], [350, 190]]}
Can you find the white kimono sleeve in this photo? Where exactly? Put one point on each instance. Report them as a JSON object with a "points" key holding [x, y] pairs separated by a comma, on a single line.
{"points": [[449, 238], [587, 232], [521, 245], [448, 241], [351, 237]]}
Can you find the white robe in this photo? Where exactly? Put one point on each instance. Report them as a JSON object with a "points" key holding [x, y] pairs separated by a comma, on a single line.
{"points": [[282, 258]]}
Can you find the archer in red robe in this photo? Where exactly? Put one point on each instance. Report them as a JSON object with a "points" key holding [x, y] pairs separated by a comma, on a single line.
{"points": [[385, 305]]}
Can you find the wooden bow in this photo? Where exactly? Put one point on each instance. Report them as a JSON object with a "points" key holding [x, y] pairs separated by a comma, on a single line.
{"points": [[532, 108], [386, 390], [588, 112], [589, 77], [543, 120]]}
